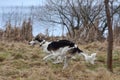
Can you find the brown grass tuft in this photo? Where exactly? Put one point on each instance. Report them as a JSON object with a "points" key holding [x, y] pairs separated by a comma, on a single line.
{"points": [[23, 62]]}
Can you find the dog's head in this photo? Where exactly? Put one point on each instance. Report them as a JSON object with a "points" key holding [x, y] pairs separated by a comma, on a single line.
{"points": [[37, 40]]}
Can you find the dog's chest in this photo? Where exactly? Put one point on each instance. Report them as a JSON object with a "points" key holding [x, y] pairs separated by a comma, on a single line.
{"points": [[45, 46]]}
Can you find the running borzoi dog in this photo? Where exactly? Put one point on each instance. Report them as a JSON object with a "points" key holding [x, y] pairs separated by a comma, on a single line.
{"points": [[61, 50]]}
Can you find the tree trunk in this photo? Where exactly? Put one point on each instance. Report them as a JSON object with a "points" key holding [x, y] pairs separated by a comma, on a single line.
{"points": [[110, 36]]}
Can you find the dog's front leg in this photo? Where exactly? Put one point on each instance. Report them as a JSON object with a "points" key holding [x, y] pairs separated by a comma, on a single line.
{"points": [[47, 57]]}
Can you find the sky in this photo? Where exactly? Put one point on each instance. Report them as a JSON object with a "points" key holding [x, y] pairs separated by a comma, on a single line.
{"points": [[5, 3], [36, 28], [9, 3]]}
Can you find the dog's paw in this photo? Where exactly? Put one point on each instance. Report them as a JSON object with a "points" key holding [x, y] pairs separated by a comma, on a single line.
{"points": [[57, 62], [65, 66], [74, 58], [44, 59]]}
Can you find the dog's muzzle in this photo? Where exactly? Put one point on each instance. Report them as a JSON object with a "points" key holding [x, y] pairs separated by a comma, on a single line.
{"points": [[32, 43]]}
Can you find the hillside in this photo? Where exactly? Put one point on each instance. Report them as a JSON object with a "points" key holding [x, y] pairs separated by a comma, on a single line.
{"points": [[20, 61]]}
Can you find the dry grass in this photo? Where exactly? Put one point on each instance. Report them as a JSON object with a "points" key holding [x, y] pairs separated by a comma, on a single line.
{"points": [[20, 61]]}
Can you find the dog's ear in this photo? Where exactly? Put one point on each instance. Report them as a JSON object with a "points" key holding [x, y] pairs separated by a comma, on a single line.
{"points": [[37, 37], [41, 37]]}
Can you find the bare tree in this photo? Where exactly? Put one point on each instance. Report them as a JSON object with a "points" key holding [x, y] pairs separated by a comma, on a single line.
{"points": [[73, 15], [110, 36]]}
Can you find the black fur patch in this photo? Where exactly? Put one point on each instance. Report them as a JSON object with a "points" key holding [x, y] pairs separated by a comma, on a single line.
{"points": [[74, 50], [58, 44]]}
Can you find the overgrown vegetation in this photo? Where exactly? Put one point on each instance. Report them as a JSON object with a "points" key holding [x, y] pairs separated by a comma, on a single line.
{"points": [[19, 61], [17, 33]]}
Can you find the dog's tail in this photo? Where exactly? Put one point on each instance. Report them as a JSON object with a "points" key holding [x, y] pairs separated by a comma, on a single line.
{"points": [[89, 58]]}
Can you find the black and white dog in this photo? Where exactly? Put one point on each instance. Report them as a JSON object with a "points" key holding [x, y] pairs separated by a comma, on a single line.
{"points": [[61, 50]]}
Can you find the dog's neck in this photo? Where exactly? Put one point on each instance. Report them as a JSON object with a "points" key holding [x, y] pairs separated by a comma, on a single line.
{"points": [[44, 46], [46, 43]]}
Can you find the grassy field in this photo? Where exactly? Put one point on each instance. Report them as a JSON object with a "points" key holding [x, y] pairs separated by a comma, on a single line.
{"points": [[20, 61]]}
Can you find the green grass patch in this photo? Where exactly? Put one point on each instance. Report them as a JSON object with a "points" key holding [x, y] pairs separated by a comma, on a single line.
{"points": [[3, 56], [91, 66], [116, 64], [20, 64], [116, 55]]}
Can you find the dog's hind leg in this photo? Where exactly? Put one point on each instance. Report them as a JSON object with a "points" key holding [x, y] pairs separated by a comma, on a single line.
{"points": [[58, 60], [66, 59]]}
